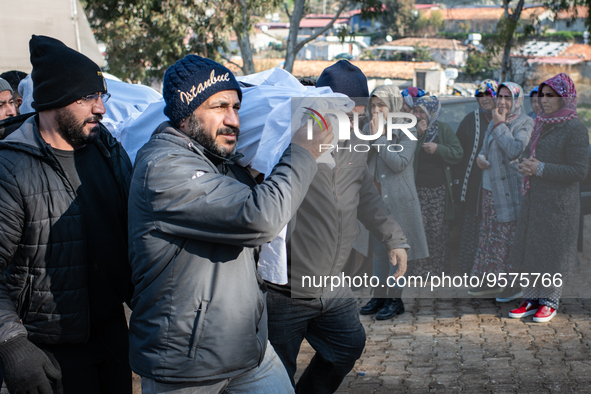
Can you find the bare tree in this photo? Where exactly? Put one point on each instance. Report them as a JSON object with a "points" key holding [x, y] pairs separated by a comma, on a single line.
{"points": [[506, 30], [293, 46], [238, 14]]}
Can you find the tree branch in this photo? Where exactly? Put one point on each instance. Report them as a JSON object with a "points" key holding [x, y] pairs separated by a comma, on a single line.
{"points": [[229, 61], [287, 10], [314, 36]]}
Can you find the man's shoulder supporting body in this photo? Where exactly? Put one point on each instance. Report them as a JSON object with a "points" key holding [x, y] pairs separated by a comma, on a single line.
{"points": [[41, 233], [199, 309]]}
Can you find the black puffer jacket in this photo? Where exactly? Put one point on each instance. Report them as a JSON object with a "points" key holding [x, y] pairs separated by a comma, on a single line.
{"points": [[43, 273]]}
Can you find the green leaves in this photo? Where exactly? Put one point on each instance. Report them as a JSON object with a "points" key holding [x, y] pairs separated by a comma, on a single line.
{"points": [[145, 37]]}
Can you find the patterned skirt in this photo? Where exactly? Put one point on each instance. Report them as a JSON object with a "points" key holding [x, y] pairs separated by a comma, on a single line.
{"points": [[494, 242], [432, 202], [468, 242]]}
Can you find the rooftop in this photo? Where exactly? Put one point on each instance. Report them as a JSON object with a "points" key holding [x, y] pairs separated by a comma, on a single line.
{"points": [[555, 60], [543, 48], [579, 50], [482, 13], [371, 69], [579, 11], [321, 22], [539, 49], [435, 43]]}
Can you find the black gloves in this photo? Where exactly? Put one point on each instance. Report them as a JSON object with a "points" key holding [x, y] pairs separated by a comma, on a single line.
{"points": [[25, 368]]}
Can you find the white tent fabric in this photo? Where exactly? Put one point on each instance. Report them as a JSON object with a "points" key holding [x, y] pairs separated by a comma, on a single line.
{"points": [[61, 19]]}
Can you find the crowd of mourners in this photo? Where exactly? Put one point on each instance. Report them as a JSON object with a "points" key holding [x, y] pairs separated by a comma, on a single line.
{"points": [[182, 234]]}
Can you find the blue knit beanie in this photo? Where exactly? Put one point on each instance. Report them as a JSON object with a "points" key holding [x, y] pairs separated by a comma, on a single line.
{"points": [[190, 82], [343, 77]]}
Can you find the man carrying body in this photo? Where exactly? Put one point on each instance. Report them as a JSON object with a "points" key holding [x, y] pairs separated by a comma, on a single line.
{"points": [[64, 269], [7, 107], [322, 237], [197, 220]]}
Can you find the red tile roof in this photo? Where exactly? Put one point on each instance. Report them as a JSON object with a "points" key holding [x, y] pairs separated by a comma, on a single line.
{"points": [[426, 6], [480, 13], [320, 22], [555, 60], [581, 51]]}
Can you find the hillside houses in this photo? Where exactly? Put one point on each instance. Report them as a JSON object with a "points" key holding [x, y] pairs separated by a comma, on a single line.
{"points": [[445, 51]]}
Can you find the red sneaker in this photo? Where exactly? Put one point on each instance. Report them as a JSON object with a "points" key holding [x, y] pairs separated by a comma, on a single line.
{"points": [[544, 314], [526, 309]]}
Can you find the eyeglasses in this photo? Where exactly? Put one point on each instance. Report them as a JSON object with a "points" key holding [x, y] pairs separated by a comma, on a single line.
{"points": [[487, 94], [91, 99]]}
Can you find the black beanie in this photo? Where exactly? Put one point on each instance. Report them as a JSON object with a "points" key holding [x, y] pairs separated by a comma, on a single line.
{"points": [[343, 77], [60, 74], [190, 82]]}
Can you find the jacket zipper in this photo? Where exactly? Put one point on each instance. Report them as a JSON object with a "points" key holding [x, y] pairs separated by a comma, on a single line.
{"points": [[26, 298], [198, 327]]}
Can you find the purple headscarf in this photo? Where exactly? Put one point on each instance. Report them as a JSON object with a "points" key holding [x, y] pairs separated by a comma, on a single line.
{"points": [[565, 87]]}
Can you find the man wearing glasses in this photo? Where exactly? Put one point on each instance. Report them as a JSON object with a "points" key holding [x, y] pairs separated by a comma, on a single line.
{"points": [[64, 271]]}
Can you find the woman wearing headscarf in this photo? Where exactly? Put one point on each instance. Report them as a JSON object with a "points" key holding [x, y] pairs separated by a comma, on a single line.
{"points": [[467, 175], [410, 95], [546, 235], [505, 141], [394, 176], [437, 150], [533, 100]]}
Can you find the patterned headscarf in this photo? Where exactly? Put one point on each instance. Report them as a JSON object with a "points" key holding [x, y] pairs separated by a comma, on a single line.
{"points": [[432, 107], [488, 85], [410, 95], [517, 95], [564, 86]]}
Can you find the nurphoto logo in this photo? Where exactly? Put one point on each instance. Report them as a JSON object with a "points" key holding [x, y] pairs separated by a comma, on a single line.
{"points": [[344, 129]]}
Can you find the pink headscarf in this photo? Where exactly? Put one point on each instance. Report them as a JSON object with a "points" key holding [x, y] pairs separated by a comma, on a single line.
{"points": [[565, 87]]}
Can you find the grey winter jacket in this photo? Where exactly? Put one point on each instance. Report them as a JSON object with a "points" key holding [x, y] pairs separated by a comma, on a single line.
{"points": [[546, 234], [503, 151], [43, 263], [199, 310], [326, 226], [395, 174]]}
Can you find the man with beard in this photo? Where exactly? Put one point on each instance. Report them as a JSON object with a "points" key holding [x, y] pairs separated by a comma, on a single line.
{"points": [[65, 274], [196, 223]]}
